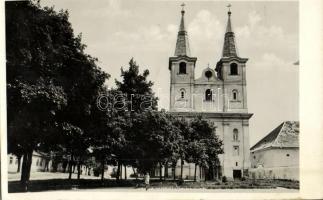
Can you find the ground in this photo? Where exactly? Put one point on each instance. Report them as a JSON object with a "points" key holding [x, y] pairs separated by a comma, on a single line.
{"points": [[46, 181], [47, 175]]}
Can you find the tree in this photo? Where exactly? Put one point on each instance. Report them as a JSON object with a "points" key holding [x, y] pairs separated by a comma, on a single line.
{"points": [[50, 80], [203, 146], [136, 89], [107, 130], [135, 96], [184, 127], [155, 138]]}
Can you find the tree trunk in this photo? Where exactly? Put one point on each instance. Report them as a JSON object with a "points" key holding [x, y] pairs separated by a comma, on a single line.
{"points": [[134, 172], [78, 170], [102, 169], [19, 162], [195, 173], [182, 162], [166, 171], [217, 172], [200, 173], [118, 172], [25, 172], [160, 171], [70, 168]]}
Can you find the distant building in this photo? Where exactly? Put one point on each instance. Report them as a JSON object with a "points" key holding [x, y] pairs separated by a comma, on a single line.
{"points": [[219, 95], [40, 162], [276, 156]]}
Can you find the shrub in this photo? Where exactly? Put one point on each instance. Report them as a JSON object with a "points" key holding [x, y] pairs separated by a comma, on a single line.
{"points": [[181, 182], [224, 179]]}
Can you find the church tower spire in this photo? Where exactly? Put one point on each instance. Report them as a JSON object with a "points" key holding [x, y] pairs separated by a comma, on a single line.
{"points": [[229, 47], [182, 44]]}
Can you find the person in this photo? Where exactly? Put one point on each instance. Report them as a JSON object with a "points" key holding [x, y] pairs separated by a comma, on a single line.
{"points": [[147, 180]]}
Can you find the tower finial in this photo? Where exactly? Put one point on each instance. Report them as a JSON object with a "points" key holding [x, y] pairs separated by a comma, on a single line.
{"points": [[183, 5], [229, 48], [229, 6], [182, 46]]}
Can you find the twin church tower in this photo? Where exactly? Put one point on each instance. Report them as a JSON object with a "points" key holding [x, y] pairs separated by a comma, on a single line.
{"points": [[219, 95]]}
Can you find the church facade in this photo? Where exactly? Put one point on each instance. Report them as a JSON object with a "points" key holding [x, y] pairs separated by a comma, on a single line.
{"points": [[219, 95]]}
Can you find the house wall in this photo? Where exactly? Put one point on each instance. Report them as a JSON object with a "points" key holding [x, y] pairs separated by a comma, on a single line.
{"points": [[279, 163], [38, 163]]}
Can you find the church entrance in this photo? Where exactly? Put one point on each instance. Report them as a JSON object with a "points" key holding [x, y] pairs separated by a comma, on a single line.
{"points": [[236, 174]]}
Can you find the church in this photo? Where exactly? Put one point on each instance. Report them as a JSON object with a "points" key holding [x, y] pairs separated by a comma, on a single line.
{"points": [[219, 95]]}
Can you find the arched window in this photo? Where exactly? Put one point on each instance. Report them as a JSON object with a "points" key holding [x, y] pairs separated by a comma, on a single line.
{"points": [[182, 93], [182, 68], [235, 134], [233, 69], [234, 94], [208, 95]]}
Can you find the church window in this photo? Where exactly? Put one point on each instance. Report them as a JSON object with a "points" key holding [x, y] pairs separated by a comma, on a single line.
{"points": [[233, 69], [182, 68], [287, 155], [235, 150], [37, 162], [208, 95], [235, 134], [234, 94], [208, 74], [182, 92], [236, 163], [10, 161]]}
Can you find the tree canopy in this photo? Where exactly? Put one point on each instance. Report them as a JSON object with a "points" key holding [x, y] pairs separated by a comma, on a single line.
{"points": [[51, 81]]}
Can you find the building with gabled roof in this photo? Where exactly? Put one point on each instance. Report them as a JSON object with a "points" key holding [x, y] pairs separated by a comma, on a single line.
{"points": [[277, 154]]}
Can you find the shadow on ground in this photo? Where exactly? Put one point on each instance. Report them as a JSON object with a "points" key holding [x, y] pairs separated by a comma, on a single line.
{"points": [[64, 184]]}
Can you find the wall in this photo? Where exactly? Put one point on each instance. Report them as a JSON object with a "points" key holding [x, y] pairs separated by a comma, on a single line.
{"points": [[38, 163], [280, 163]]}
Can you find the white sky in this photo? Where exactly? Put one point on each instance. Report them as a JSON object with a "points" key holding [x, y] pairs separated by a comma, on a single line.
{"points": [[266, 33]]}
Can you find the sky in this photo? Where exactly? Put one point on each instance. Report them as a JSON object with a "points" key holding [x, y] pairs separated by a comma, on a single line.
{"points": [[266, 32]]}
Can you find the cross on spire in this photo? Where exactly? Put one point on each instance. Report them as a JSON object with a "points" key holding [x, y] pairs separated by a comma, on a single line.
{"points": [[229, 6], [183, 5]]}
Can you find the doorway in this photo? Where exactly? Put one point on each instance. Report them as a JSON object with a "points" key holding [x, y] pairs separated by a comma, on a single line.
{"points": [[236, 174]]}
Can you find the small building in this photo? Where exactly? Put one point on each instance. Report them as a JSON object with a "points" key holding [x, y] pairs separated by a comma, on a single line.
{"points": [[276, 156], [40, 162]]}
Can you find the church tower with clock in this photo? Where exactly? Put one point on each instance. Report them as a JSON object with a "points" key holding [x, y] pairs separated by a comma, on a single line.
{"points": [[219, 95]]}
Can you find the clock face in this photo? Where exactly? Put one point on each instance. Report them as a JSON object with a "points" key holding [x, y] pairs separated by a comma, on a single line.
{"points": [[208, 74]]}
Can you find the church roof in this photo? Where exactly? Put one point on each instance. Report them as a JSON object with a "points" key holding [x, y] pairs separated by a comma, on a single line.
{"points": [[229, 46], [182, 44], [285, 135]]}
